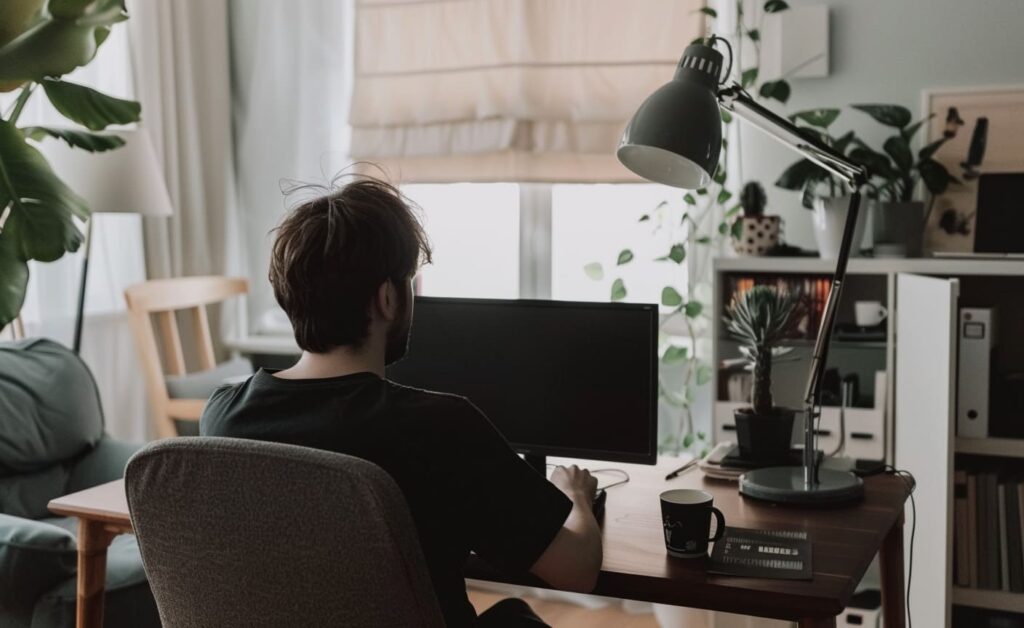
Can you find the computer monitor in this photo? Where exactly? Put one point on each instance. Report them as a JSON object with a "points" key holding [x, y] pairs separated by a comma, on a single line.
{"points": [[556, 378]]}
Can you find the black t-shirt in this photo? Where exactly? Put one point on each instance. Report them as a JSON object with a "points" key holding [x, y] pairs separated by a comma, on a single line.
{"points": [[467, 490]]}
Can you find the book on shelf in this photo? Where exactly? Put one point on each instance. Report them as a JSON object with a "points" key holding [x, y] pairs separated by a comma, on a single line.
{"points": [[1014, 539], [961, 558], [988, 530]]}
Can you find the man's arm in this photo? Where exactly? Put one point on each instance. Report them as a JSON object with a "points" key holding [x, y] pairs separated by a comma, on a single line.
{"points": [[573, 559]]}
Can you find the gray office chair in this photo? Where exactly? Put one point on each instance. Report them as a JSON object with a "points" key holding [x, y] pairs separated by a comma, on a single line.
{"points": [[247, 533]]}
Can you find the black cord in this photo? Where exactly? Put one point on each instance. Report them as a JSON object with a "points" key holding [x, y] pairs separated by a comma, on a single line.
{"points": [[625, 477], [911, 483], [711, 42]]}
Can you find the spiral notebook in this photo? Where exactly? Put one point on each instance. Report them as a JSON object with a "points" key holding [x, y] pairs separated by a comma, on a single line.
{"points": [[776, 554]]}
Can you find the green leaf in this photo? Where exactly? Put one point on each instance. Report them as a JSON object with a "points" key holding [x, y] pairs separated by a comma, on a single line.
{"points": [[594, 270], [719, 176], [625, 256], [889, 115], [644, 218], [876, 163], [688, 441], [723, 228], [796, 176], [726, 118], [748, 77], [779, 90], [898, 148], [703, 374], [693, 309], [92, 142], [702, 191], [39, 225], [688, 199], [735, 209], [708, 11], [88, 107], [909, 132], [618, 290], [928, 151], [774, 6], [702, 436], [704, 240], [670, 297], [935, 176], [724, 196], [54, 44], [754, 34], [821, 118], [674, 354], [677, 253], [736, 231]]}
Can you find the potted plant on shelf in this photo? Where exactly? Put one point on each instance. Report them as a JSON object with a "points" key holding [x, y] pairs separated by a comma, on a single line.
{"points": [[761, 319], [753, 233], [895, 173], [821, 191]]}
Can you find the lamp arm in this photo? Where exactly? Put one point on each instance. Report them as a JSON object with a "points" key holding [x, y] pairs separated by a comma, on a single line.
{"points": [[735, 99]]}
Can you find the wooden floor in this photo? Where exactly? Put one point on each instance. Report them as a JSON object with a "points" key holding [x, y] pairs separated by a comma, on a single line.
{"points": [[565, 615]]}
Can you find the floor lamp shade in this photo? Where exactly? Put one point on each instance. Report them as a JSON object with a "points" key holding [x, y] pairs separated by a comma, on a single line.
{"points": [[675, 137], [124, 180]]}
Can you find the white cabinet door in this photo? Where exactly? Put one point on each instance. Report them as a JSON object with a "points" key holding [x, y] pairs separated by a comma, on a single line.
{"points": [[926, 315]]}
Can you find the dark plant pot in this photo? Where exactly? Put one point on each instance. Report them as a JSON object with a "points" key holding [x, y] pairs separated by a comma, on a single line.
{"points": [[764, 438], [898, 229]]}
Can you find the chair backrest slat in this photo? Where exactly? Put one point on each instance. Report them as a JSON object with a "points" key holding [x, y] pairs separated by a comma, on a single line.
{"points": [[204, 342], [173, 351]]}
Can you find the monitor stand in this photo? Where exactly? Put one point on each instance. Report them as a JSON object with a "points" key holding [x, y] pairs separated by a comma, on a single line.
{"points": [[539, 463]]}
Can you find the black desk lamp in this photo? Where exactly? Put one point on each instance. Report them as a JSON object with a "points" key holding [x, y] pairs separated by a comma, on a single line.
{"points": [[675, 138]]}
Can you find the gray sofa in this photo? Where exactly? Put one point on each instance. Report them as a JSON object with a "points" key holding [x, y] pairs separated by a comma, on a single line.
{"points": [[52, 443]]}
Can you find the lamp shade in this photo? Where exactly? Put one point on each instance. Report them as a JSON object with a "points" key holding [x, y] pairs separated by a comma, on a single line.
{"points": [[123, 180], [675, 137]]}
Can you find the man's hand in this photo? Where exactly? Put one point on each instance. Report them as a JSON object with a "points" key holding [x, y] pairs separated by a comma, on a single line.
{"points": [[576, 483]]}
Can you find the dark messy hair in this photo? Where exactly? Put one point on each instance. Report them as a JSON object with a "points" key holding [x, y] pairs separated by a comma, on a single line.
{"points": [[332, 253]]}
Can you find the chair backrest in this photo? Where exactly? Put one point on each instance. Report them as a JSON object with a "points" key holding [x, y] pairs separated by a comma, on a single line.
{"points": [[161, 299], [248, 533]]}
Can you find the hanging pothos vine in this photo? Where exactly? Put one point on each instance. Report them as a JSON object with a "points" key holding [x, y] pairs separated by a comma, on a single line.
{"points": [[698, 225]]}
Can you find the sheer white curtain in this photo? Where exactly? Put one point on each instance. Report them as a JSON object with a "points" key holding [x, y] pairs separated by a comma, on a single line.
{"points": [[116, 262], [292, 78]]}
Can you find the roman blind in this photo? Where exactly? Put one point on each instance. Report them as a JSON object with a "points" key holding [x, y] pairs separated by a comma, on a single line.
{"points": [[508, 90]]}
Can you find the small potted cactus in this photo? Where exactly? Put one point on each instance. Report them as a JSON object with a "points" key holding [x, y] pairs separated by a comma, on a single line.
{"points": [[761, 319], [753, 232]]}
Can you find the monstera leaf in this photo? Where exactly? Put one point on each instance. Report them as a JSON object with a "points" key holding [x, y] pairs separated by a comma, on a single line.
{"points": [[37, 219], [55, 41], [39, 43]]}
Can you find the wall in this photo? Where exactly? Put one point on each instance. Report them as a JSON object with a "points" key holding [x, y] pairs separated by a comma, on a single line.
{"points": [[888, 51]]}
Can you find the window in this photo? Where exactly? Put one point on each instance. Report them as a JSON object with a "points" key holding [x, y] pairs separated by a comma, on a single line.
{"points": [[594, 223], [474, 231]]}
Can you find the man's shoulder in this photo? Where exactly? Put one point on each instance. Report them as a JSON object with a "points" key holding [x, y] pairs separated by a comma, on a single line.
{"points": [[421, 398], [221, 403]]}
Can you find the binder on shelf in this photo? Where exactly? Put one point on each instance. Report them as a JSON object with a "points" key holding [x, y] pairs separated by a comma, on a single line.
{"points": [[972, 531], [976, 333]]}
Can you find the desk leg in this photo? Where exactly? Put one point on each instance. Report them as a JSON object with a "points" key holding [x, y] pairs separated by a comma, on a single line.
{"points": [[93, 540], [894, 591], [818, 622]]}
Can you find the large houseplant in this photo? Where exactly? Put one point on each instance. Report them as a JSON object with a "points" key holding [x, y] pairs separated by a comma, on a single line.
{"points": [[761, 319], [40, 41], [895, 173]]}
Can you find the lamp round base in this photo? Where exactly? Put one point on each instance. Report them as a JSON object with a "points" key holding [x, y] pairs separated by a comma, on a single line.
{"points": [[785, 485]]}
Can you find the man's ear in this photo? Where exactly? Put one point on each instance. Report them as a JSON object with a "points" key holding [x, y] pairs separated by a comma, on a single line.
{"points": [[386, 301]]}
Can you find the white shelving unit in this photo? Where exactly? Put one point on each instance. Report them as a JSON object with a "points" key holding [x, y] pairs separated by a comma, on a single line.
{"points": [[922, 296]]}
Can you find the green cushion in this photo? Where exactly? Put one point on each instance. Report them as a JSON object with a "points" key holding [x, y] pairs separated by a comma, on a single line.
{"points": [[27, 495], [49, 404], [35, 557]]}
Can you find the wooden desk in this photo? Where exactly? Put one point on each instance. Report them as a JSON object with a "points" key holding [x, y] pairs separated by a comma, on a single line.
{"points": [[844, 542], [636, 567]]}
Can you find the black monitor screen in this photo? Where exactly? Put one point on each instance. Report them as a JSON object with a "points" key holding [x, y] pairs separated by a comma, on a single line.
{"points": [[556, 378], [1000, 215]]}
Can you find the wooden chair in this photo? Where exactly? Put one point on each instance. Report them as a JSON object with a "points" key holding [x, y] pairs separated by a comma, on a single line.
{"points": [[161, 299]]}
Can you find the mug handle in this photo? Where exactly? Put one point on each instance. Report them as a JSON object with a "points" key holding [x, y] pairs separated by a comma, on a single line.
{"points": [[882, 312], [719, 524]]}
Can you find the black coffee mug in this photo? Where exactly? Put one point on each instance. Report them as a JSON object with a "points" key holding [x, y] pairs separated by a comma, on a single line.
{"points": [[686, 516]]}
